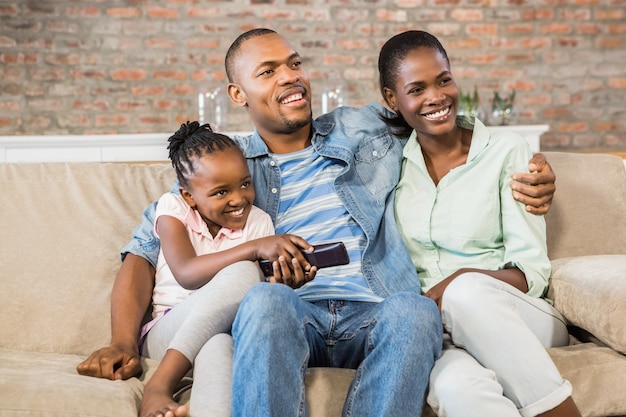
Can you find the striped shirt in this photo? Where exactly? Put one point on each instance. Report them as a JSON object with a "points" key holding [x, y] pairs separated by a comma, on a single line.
{"points": [[310, 208]]}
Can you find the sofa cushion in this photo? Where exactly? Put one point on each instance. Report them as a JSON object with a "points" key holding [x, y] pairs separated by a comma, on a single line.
{"points": [[588, 213], [326, 390], [64, 225], [597, 375], [590, 292], [46, 384]]}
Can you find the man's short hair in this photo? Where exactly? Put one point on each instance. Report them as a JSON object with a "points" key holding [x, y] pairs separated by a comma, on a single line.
{"points": [[236, 46]]}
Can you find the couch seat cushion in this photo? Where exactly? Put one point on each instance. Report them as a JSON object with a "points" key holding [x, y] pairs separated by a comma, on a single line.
{"points": [[45, 384], [597, 375], [326, 390]]}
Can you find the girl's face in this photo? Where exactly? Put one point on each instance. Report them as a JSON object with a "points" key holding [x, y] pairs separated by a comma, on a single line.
{"points": [[221, 189], [425, 92]]}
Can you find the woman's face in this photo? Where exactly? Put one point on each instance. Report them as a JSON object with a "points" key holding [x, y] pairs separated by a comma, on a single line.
{"points": [[425, 92]]}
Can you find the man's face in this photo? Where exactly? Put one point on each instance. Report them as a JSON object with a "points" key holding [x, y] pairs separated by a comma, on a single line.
{"points": [[269, 79]]}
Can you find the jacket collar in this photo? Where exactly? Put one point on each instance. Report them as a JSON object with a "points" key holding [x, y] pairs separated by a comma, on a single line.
{"points": [[319, 132]]}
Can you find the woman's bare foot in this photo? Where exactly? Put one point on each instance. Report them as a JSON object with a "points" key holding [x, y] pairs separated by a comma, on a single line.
{"points": [[158, 402]]}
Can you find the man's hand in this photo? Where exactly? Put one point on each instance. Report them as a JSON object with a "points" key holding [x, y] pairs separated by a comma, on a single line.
{"points": [[293, 275], [113, 362], [283, 245], [535, 189]]}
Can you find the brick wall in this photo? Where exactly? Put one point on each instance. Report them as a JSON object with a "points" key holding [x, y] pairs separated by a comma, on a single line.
{"points": [[107, 66]]}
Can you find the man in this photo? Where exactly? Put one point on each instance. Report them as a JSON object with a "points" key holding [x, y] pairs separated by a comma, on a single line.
{"points": [[332, 182], [358, 164]]}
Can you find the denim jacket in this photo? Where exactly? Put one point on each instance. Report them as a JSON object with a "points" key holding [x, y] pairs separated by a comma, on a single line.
{"points": [[372, 160]]}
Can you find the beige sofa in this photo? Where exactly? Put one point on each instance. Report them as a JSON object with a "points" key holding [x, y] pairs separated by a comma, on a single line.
{"points": [[62, 226]]}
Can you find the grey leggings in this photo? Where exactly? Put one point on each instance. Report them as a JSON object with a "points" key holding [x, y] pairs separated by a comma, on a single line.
{"points": [[197, 328]]}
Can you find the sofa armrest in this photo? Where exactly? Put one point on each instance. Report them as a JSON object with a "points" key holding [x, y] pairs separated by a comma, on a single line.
{"points": [[590, 292]]}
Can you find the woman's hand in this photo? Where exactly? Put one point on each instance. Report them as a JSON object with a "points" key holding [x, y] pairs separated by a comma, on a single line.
{"points": [[511, 276], [535, 189], [436, 292]]}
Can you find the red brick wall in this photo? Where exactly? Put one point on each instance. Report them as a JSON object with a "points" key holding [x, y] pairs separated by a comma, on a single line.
{"points": [[106, 66]]}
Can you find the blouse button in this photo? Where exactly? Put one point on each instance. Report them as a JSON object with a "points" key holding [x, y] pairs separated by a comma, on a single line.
{"points": [[274, 190], [375, 153]]}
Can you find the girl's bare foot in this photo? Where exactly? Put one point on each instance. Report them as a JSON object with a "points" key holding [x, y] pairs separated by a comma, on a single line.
{"points": [[157, 402]]}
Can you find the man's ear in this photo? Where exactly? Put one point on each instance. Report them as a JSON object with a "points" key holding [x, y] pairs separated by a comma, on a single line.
{"points": [[237, 95], [186, 195]]}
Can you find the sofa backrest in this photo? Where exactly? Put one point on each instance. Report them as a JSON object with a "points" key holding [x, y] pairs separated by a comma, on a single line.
{"points": [[62, 228], [588, 214], [63, 225]]}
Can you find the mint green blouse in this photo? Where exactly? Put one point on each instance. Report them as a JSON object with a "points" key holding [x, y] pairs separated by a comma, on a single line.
{"points": [[470, 218]]}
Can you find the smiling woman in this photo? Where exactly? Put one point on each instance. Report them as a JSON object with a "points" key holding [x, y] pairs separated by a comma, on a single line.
{"points": [[476, 250]]}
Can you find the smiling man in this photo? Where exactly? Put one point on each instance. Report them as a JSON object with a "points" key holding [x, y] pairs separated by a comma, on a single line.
{"points": [[280, 109], [325, 181]]}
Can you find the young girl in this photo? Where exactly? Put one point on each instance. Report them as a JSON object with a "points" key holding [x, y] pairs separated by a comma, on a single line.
{"points": [[209, 233], [479, 255]]}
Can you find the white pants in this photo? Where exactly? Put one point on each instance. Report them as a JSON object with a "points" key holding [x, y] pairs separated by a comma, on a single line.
{"points": [[197, 328], [494, 361]]}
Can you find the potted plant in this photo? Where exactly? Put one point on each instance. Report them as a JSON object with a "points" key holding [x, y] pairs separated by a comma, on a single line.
{"points": [[469, 103], [502, 108]]}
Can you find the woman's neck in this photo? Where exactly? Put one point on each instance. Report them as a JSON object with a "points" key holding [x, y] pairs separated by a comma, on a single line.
{"points": [[445, 152]]}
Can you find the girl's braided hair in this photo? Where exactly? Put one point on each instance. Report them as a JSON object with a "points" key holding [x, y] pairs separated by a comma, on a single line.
{"points": [[193, 140]]}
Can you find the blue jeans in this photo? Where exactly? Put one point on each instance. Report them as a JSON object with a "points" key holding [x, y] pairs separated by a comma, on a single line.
{"points": [[392, 345]]}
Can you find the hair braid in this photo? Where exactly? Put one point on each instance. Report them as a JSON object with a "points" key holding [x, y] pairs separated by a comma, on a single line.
{"points": [[191, 141]]}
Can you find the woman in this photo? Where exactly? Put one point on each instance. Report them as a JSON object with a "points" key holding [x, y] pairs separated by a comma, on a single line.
{"points": [[480, 256]]}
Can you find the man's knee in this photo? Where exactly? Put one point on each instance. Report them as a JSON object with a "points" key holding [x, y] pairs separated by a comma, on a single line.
{"points": [[411, 320], [267, 297], [412, 309], [266, 306]]}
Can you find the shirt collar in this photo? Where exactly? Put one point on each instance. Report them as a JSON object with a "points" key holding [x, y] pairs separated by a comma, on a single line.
{"points": [[227, 233], [480, 137], [257, 147]]}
